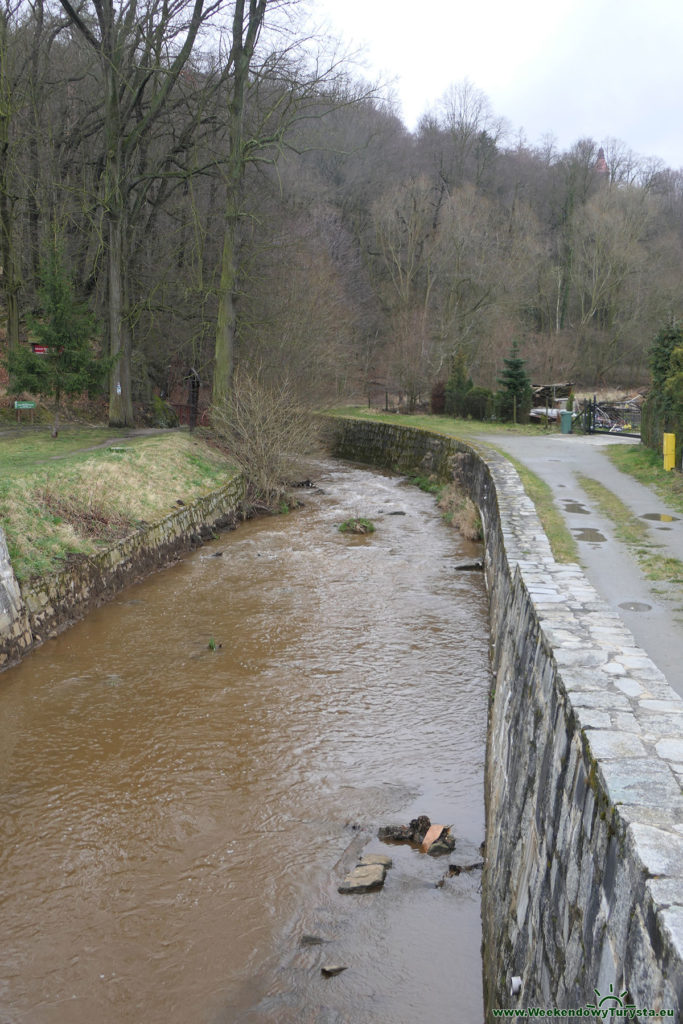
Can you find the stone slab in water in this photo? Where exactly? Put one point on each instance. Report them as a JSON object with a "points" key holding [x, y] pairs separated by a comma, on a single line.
{"points": [[376, 858], [364, 878]]}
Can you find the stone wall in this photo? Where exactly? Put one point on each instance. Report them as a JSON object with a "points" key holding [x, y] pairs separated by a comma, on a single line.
{"points": [[15, 632], [33, 612], [583, 883]]}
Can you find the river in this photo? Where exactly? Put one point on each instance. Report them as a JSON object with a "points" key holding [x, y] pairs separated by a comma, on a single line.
{"points": [[175, 818]]}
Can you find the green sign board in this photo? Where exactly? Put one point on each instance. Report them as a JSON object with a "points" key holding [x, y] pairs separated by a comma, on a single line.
{"points": [[24, 405]]}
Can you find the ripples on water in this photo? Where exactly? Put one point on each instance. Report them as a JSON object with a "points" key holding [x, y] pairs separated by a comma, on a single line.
{"points": [[172, 816]]}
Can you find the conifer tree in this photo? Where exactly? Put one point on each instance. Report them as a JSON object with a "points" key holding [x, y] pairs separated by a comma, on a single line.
{"points": [[513, 399], [457, 385], [67, 364]]}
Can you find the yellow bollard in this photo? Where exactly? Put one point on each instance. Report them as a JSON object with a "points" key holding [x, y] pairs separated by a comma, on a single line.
{"points": [[669, 446]]}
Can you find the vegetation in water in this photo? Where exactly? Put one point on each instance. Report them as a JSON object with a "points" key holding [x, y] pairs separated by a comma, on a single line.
{"points": [[461, 512], [357, 524]]}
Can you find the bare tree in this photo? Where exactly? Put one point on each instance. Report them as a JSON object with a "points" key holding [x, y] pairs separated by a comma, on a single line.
{"points": [[142, 50]]}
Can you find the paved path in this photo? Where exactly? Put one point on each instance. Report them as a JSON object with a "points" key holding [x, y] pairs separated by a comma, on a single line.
{"points": [[652, 611]]}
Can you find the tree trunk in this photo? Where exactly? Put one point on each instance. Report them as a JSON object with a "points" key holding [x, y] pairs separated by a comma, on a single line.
{"points": [[10, 277], [244, 38], [227, 314], [120, 398]]}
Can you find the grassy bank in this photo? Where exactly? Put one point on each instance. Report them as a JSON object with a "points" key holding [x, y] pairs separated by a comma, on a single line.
{"points": [[88, 487], [443, 424], [646, 466]]}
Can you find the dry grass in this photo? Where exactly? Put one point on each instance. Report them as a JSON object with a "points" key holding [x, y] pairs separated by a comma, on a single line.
{"points": [[55, 508], [461, 512]]}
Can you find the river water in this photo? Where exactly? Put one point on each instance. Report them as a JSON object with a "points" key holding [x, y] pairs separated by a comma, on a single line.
{"points": [[174, 819]]}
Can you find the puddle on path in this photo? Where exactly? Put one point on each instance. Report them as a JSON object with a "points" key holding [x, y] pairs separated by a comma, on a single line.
{"points": [[660, 517], [575, 507], [635, 606], [590, 535]]}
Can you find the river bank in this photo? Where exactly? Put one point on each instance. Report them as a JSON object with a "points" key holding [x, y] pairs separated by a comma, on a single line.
{"points": [[86, 518]]}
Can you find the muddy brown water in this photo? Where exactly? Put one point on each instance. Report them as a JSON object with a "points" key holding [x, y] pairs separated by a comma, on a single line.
{"points": [[175, 820]]}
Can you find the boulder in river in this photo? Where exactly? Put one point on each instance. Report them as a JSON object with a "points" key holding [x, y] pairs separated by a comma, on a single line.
{"points": [[432, 839], [364, 878]]}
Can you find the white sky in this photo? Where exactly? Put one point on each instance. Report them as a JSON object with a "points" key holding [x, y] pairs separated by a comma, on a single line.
{"points": [[571, 68]]}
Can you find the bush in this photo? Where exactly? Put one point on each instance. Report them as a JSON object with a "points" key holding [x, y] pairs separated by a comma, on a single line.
{"points": [[163, 414], [267, 432], [438, 399], [478, 403], [663, 409], [457, 386]]}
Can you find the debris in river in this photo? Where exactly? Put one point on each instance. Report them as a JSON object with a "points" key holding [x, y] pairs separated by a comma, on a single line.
{"points": [[313, 940], [431, 839], [469, 565], [457, 869]]}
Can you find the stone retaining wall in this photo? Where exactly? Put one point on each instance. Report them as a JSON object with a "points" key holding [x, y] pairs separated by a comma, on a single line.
{"points": [[15, 632], [31, 613], [583, 883]]}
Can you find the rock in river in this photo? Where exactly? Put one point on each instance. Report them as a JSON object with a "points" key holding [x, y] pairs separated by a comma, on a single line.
{"points": [[364, 878]]}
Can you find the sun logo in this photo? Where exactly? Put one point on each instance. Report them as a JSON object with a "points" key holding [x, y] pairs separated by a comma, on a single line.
{"points": [[611, 999]]}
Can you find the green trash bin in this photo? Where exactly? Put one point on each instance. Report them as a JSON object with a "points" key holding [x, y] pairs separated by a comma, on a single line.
{"points": [[565, 422]]}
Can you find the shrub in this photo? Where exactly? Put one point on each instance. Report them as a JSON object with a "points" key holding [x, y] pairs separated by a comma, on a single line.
{"points": [[438, 399], [267, 432], [478, 403], [663, 408], [457, 386]]}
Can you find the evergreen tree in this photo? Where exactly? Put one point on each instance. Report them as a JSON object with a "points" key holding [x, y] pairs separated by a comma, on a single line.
{"points": [[666, 340], [457, 386], [663, 407], [513, 399], [68, 364]]}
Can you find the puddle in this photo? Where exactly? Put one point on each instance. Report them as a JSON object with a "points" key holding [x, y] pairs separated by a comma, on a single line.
{"points": [[660, 517], [575, 507], [590, 535], [635, 606]]}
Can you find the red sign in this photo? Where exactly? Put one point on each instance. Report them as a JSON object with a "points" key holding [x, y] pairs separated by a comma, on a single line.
{"points": [[39, 350]]}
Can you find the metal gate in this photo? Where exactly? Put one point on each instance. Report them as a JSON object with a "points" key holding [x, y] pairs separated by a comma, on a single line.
{"points": [[611, 418]]}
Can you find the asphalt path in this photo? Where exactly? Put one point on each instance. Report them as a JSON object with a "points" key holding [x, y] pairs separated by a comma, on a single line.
{"points": [[652, 611]]}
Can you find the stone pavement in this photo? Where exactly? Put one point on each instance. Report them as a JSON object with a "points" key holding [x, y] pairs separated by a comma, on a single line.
{"points": [[653, 612]]}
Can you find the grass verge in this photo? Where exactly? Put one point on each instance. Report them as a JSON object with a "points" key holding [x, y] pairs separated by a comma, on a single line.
{"points": [[65, 497], [633, 532], [646, 466], [442, 424], [562, 544]]}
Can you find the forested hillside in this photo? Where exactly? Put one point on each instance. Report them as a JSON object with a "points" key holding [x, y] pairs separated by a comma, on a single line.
{"points": [[223, 192]]}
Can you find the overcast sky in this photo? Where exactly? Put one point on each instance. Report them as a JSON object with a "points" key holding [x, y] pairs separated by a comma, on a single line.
{"points": [[572, 68]]}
